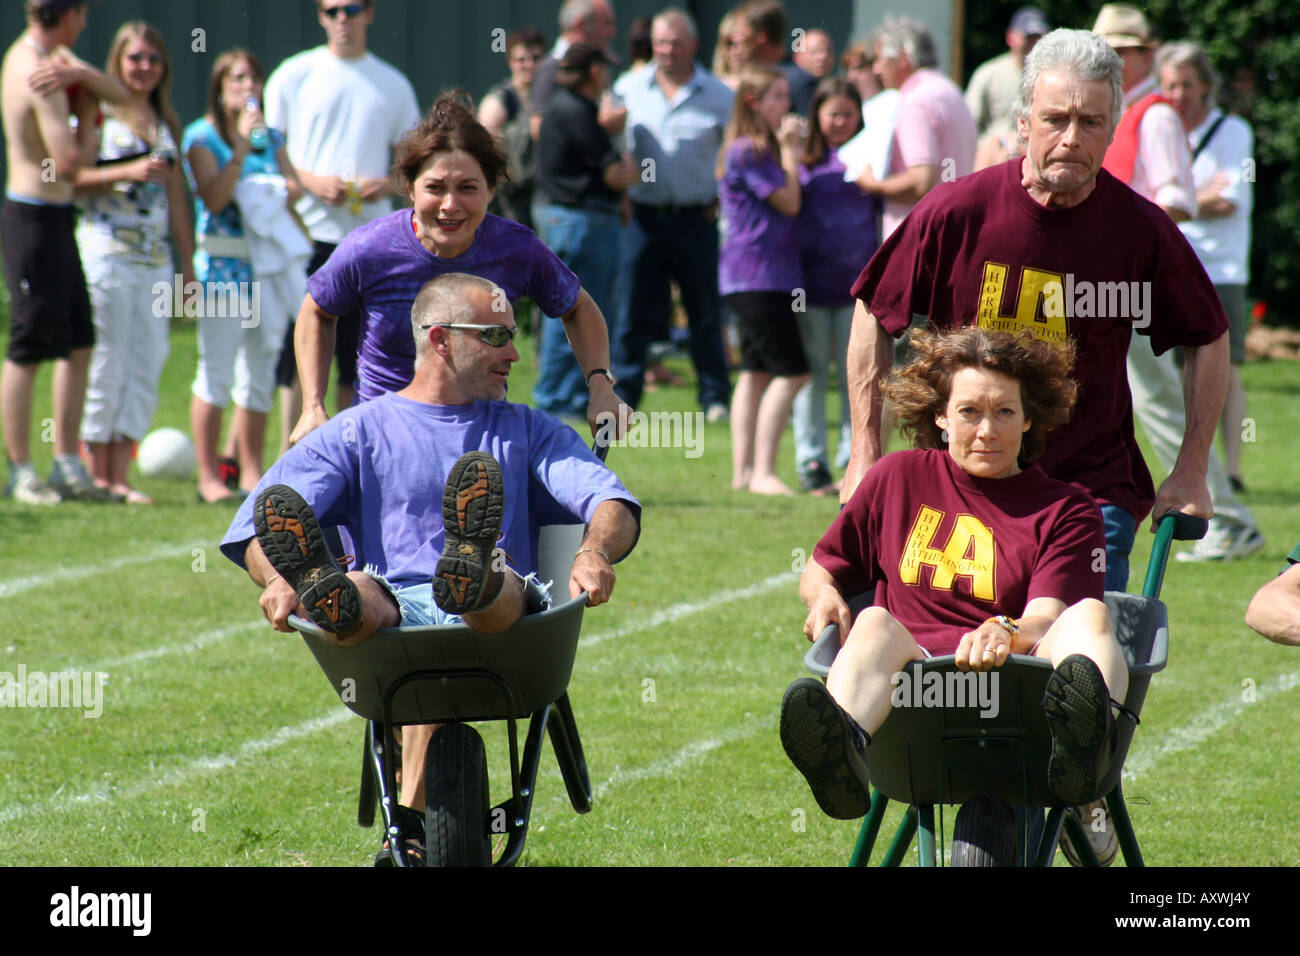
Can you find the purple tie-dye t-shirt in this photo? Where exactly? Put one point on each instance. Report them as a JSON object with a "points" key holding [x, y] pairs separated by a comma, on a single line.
{"points": [[381, 266], [759, 253]]}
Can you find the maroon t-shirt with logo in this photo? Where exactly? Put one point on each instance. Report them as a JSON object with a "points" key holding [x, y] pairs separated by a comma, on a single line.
{"points": [[980, 251], [946, 551]]}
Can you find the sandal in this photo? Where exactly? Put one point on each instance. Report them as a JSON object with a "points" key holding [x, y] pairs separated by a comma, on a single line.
{"points": [[411, 824]]}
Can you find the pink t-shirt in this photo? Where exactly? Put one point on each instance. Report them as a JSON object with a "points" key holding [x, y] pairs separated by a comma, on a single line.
{"points": [[946, 551], [981, 252], [934, 128]]}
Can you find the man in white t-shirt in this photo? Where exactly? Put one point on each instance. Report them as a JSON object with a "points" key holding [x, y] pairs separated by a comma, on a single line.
{"points": [[342, 110]]}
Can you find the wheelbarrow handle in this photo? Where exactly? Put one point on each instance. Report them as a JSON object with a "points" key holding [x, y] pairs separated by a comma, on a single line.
{"points": [[1174, 526]]}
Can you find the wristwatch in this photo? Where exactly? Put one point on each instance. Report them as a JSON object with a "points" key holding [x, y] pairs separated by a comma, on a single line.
{"points": [[599, 371]]}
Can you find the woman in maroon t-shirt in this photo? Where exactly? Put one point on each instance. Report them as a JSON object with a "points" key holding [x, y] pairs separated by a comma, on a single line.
{"points": [[972, 551]]}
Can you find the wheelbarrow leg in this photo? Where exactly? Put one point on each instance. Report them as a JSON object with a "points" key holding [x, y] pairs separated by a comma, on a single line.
{"points": [[869, 830], [1119, 818]]}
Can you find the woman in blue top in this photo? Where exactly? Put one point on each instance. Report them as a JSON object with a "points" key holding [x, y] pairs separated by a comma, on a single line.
{"points": [[837, 233], [218, 153]]}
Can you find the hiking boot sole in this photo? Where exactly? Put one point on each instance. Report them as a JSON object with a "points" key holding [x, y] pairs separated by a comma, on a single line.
{"points": [[292, 541], [816, 737], [473, 506], [1077, 705]]}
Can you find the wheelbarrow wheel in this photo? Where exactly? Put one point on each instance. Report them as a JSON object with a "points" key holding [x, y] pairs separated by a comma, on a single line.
{"points": [[984, 834], [456, 799]]}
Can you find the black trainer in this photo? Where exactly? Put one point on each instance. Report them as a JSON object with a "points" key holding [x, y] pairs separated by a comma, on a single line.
{"points": [[826, 745], [1077, 706], [292, 541], [473, 505]]}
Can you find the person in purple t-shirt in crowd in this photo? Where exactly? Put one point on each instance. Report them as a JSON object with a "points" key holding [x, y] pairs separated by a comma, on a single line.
{"points": [[972, 551], [837, 231], [390, 469], [759, 273], [450, 165]]}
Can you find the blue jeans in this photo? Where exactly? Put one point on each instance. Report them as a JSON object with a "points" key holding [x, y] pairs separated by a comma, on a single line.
{"points": [[1121, 529], [659, 245], [586, 240], [825, 336]]}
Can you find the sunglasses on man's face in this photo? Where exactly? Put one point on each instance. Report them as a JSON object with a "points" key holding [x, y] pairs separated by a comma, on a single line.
{"points": [[496, 336], [350, 10]]}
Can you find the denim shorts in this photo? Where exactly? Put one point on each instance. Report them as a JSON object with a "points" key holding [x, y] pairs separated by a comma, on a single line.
{"points": [[416, 604]]}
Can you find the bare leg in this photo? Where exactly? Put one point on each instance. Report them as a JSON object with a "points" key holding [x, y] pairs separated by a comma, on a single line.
{"points": [[773, 413], [16, 382], [1234, 412], [70, 377], [744, 413], [251, 428], [861, 679], [101, 463], [205, 423], [1085, 628], [290, 412]]}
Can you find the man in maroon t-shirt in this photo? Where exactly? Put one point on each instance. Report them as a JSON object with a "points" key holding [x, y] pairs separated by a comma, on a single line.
{"points": [[1055, 244]]}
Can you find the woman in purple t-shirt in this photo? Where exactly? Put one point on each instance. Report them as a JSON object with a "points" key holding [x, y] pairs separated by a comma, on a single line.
{"points": [[838, 233], [759, 273], [450, 165], [972, 551]]}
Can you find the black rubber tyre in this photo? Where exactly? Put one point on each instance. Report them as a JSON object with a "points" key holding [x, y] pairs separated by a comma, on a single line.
{"points": [[984, 834], [456, 799]]}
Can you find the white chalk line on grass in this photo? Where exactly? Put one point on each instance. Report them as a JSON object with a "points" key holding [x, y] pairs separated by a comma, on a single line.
{"points": [[1204, 726], [58, 576], [105, 793], [678, 611]]}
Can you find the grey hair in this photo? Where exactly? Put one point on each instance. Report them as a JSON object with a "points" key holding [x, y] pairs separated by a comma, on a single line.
{"points": [[1080, 53], [574, 12], [1187, 53], [908, 35], [681, 16], [444, 299]]}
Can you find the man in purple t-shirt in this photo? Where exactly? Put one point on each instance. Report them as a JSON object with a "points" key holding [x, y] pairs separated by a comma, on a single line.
{"points": [[379, 469], [1055, 244]]}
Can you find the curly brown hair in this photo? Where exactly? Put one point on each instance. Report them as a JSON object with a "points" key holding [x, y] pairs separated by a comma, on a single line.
{"points": [[919, 391], [449, 124]]}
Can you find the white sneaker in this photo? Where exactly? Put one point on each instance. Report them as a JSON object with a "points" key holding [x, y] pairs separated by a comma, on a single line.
{"points": [[1223, 542], [717, 414], [27, 488]]}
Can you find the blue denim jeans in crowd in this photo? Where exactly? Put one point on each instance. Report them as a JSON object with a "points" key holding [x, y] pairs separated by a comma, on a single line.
{"points": [[659, 245], [1121, 529], [586, 240]]}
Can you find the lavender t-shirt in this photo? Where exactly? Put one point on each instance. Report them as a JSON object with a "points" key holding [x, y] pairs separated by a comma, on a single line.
{"points": [[836, 230], [381, 266], [378, 469], [759, 253]]}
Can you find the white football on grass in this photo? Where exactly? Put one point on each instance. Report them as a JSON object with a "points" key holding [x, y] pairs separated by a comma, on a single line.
{"points": [[167, 453]]}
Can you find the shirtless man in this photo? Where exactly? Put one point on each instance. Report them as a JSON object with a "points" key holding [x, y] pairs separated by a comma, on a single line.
{"points": [[44, 86]]}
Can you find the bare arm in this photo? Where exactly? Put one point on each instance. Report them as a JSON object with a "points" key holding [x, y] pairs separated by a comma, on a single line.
{"points": [[1274, 611], [313, 344], [216, 187], [990, 644], [493, 115], [63, 68], [291, 181], [869, 359], [278, 600], [588, 335], [1205, 384], [51, 112], [610, 536], [825, 603], [786, 199], [908, 186]]}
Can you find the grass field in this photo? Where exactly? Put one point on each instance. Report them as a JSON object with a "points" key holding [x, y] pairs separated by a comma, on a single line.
{"points": [[221, 743]]}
